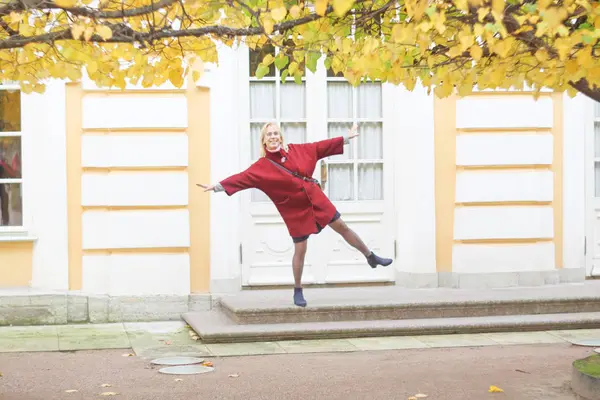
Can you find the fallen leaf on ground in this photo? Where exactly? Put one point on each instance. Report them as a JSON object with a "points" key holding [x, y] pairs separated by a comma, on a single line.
{"points": [[207, 364], [70, 391], [178, 380], [234, 375], [127, 355], [0, 374], [195, 337], [412, 398], [167, 342], [495, 389], [109, 394], [420, 396], [106, 385], [524, 372]]}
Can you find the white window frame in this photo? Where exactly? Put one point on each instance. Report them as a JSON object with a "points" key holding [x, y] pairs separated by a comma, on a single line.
{"points": [[354, 160], [22, 227]]}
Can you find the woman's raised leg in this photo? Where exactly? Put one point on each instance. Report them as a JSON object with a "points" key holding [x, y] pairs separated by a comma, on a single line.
{"points": [[298, 266], [355, 241]]}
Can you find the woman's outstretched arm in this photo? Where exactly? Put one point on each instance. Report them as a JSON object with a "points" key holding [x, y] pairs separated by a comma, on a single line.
{"points": [[335, 146], [235, 183]]}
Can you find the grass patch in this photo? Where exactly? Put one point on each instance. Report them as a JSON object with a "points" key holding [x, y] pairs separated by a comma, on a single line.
{"points": [[589, 366]]}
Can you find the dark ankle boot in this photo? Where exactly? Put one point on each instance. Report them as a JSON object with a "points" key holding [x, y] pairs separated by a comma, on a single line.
{"points": [[299, 298], [374, 260]]}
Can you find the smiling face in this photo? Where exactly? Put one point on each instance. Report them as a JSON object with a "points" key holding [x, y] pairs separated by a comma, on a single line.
{"points": [[272, 138]]}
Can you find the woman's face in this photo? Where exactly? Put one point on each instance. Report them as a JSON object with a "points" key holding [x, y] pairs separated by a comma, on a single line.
{"points": [[272, 138]]}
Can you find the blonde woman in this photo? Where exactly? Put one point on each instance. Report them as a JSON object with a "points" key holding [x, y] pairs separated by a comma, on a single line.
{"points": [[283, 173]]}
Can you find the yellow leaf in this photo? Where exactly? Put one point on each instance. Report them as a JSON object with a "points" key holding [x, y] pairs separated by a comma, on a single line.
{"points": [[15, 17], [279, 13], [476, 52], [541, 55], [268, 25], [87, 35], [66, 3], [109, 394], [341, 7], [268, 60], [498, 6], [175, 76], [321, 7], [104, 32], [92, 67], [572, 66], [295, 11], [196, 75], [495, 389]]}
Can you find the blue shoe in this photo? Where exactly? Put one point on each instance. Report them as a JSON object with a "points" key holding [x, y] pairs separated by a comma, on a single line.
{"points": [[299, 298], [374, 260]]}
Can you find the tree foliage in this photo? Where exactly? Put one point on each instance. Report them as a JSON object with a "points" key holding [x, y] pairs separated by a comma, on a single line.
{"points": [[445, 45]]}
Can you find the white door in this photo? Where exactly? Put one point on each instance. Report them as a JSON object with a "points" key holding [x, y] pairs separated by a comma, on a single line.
{"points": [[592, 185], [358, 182]]}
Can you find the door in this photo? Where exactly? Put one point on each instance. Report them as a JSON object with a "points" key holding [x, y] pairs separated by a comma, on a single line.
{"points": [[592, 185], [358, 182]]}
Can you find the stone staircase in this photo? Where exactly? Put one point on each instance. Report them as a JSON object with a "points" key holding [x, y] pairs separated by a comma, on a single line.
{"points": [[266, 315]]}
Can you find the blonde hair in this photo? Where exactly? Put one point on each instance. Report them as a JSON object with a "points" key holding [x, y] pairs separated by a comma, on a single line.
{"points": [[263, 132]]}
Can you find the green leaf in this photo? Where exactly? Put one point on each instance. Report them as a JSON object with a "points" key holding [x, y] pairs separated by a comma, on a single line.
{"points": [[261, 71], [281, 61], [327, 62], [587, 39], [311, 60], [430, 10], [284, 75], [298, 78], [530, 8]]}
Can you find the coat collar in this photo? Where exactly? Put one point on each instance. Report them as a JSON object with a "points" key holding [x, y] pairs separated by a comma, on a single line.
{"points": [[276, 155]]}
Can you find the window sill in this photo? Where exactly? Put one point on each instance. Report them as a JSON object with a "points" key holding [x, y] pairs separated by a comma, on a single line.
{"points": [[16, 237]]}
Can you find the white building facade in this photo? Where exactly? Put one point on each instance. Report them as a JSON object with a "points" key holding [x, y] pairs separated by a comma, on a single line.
{"points": [[496, 189]]}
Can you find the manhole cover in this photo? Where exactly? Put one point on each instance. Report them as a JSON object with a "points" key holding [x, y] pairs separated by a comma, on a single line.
{"points": [[177, 361], [186, 370], [587, 342]]}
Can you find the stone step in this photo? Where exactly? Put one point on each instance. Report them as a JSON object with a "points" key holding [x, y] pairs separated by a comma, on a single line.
{"points": [[393, 303], [215, 327]]}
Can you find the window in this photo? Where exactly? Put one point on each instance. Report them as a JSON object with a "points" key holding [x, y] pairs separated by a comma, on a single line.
{"points": [[597, 148], [358, 173], [11, 179], [271, 100]]}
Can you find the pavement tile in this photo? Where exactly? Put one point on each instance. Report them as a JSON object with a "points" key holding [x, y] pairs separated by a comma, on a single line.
{"points": [[317, 346], [150, 352], [523, 338], [28, 338], [576, 334], [245, 349], [387, 343], [90, 337], [456, 340], [160, 327]]}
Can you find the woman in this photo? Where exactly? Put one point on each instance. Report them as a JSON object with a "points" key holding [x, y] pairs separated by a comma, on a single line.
{"points": [[283, 174]]}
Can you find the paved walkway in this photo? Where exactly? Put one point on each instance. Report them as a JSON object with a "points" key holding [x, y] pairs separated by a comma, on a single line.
{"points": [[154, 339], [532, 372]]}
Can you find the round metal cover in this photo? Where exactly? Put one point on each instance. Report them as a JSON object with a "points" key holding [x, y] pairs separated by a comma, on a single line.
{"points": [[186, 370], [587, 342], [177, 361]]}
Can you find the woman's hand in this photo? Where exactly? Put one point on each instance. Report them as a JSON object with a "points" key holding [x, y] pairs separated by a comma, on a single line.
{"points": [[207, 188], [353, 131]]}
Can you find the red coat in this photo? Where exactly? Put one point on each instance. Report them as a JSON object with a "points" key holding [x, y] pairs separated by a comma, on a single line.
{"points": [[302, 204]]}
